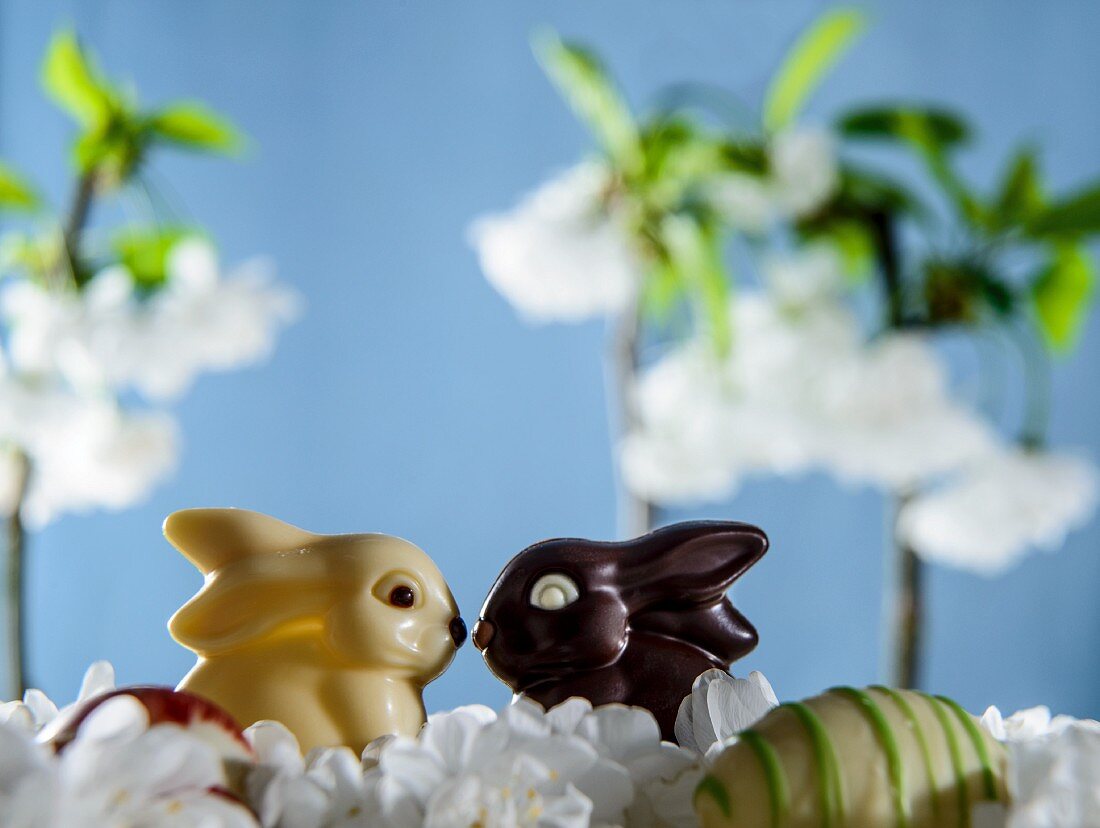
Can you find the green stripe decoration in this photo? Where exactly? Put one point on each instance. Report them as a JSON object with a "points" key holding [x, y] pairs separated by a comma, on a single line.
{"points": [[885, 735], [715, 790], [913, 723], [956, 758], [989, 781], [829, 787], [778, 792]]}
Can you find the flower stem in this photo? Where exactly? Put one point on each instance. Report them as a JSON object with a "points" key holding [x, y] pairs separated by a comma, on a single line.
{"points": [[1037, 382], [79, 212], [884, 237], [905, 612], [907, 602], [636, 514], [16, 585]]}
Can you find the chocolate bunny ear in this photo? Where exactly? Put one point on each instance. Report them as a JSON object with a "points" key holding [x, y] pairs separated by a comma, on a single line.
{"points": [[692, 563], [236, 607], [228, 613], [212, 538]]}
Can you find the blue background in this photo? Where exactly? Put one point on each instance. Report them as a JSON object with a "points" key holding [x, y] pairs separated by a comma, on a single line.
{"points": [[410, 399]]}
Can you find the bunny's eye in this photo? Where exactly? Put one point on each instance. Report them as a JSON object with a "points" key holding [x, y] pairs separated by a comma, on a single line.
{"points": [[402, 596], [554, 591], [399, 589]]}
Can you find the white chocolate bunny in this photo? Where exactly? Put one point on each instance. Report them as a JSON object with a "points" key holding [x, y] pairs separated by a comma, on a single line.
{"points": [[335, 636]]}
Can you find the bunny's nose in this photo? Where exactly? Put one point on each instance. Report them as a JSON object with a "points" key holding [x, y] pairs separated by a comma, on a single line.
{"points": [[483, 633], [458, 631]]}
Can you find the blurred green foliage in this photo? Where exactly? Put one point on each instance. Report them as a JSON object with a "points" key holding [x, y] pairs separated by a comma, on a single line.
{"points": [[665, 166], [114, 141]]}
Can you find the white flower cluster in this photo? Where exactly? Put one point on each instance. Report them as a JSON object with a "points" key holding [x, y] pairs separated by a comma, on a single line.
{"points": [[997, 508], [719, 708], [564, 253], [87, 451], [1053, 770], [119, 771], [799, 390], [108, 336], [70, 354], [570, 766], [802, 174]]}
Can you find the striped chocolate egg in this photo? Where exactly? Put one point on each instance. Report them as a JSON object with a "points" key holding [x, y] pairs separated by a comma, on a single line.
{"points": [[867, 758]]}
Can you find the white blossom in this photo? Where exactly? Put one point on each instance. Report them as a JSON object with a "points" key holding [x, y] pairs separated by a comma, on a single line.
{"points": [[570, 766], [680, 454], [706, 421], [802, 278], [564, 253], [630, 749], [802, 174], [465, 763], [36, 710], [799, 390], [327, 788], [745, 201], [85, 451], [1000, 507], [107, 335], [719, 707], [118, 771], [889, 419], [804, 169], [1053, 768], [72, 353], [204, 322]]}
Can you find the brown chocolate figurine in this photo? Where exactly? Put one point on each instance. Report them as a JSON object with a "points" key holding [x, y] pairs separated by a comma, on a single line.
{"points": [[632, 622]]}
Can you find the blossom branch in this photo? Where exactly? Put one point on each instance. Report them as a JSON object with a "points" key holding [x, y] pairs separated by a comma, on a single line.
{"points": [[16, 581], [635, 513], [1037, 393], [907, 601], [907, 642], [16, 575], [78, 216]]}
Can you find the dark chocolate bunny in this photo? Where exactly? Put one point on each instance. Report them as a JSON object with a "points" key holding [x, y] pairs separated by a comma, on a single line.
{"points": [[632, 622]]}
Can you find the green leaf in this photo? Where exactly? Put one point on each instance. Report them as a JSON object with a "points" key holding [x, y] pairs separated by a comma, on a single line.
{"points": [[115, 153], [144, 252], [804, 67], [1021, 193], [1077, 215], [696, 253], [36, 256], [863, 191], [663, 288], [964, 290], [583, 82], [856, 247], [1062, 294], [15, 192], [925, 126], [746, 155], [193, 125], [678, 157], [932, 133], [69, 78]]}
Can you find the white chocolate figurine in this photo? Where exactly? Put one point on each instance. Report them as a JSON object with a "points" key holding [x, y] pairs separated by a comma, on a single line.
{"points": [[335, 636]]}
